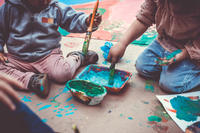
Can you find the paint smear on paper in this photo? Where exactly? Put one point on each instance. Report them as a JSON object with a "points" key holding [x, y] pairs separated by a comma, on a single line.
{"points": [[186, 109]]}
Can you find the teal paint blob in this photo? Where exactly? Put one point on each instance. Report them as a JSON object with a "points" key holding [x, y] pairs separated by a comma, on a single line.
{"points": [[71, 113], [105, 62], [186, 109], [63, 32], [173, 54], [61, 109], [70, 98], [121, 115], [130, 118], [154, 118], [59, 115], [67, 106], [149, 86], [41, 88], [39, 104], [44, 107], [44, 120], [26, 99], [54, 110], [58, 112]]}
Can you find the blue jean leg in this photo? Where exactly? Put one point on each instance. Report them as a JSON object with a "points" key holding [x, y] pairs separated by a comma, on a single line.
{"points": [[146, 63], [180, 77], [176, 78], [22, 120]]}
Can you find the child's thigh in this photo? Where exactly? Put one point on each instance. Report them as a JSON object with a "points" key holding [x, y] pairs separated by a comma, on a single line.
{"points": [[146, 63], [180, 77], [56, 66]]}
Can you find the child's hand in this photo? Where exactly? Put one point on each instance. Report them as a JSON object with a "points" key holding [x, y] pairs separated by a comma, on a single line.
{"points": [[177, 58], [116, 52], [6, 91], [97, 20], [3, 58]]}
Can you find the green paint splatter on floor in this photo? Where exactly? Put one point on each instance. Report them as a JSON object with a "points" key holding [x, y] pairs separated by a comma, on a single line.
{"points": [[186, 109], [160, 111], [149, 86], [130, 118], [154, 118]]}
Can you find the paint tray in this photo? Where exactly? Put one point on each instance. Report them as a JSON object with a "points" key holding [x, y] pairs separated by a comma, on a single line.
{"points": [[100, 75], [86, 92]]}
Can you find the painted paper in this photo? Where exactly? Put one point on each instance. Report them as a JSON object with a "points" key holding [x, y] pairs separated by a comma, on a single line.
{"points": [[184, 109]]}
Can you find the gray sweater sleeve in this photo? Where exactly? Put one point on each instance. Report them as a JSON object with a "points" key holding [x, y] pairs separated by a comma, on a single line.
{"points": [[2, 28], [71, 20]]}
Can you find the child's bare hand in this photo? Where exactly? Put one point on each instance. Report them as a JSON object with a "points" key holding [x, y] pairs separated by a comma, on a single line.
{"points": [[177, 58], [3, 58], [97, 20], [116, 52], [6, 91]]}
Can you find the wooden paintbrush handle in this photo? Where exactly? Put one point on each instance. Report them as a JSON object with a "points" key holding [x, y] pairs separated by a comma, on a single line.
{"points": [[93, 15]]}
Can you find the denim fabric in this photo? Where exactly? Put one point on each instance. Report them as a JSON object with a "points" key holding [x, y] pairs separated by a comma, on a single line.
{"points": [[176, 78], [22, 120]]}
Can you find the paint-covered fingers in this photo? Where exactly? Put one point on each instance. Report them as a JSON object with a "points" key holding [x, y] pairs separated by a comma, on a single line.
{"points": [[3, 58], [7, 94], [115, 53]]}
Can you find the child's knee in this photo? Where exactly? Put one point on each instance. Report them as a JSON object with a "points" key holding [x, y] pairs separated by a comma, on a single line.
{"points": [[61, 76], [145, 70], [173, 87]]}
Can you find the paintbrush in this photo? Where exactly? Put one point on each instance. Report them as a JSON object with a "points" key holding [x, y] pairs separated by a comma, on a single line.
{"points": [[112, 74], [89, 30]]}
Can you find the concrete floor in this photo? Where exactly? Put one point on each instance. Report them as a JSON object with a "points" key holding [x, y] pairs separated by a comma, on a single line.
{"points": [[126, 112]]}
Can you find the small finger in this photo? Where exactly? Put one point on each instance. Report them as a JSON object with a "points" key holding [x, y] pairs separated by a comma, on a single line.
{"points": [[7, 101], [9, 80], [6, 88]]}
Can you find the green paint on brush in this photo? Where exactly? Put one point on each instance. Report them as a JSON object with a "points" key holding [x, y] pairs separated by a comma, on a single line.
{"points": [[149, 86], [112, 74], [90, 89], [154, 118]]}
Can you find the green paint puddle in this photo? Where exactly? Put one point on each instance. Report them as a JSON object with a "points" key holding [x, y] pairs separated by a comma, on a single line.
{"points": [[154, 118], [186, 109], [89, 88], [149, 86]]}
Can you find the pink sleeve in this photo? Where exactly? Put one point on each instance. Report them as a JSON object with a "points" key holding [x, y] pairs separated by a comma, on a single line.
{"points": [[147, 13]]}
